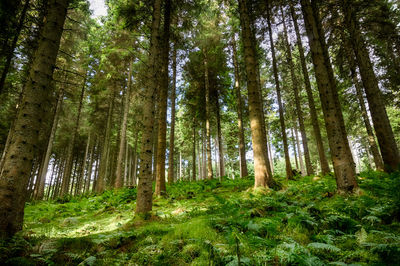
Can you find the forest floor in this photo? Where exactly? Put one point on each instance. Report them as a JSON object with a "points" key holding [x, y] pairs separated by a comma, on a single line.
{"points": [[301, 222]]}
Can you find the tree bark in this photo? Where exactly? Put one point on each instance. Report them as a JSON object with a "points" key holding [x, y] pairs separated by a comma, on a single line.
{"points": [[104, 159], [208, 129], [289, 172], [163, 104], [173, 111], [295, 149], [383, 129], [299, 149], [239, 108], [119, 182], [340, 151], [359, 92], [29, 122], [219, 135], [145, 191], [194, 151], [45, 161], [262, 177], [90, 166], [68, 167], [297, 99], [311, 103]]}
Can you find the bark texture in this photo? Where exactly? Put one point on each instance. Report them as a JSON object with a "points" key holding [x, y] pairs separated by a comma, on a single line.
{"points": [[46, 159], [119, 181], [384, 132], [171, 162], [208, 129], [297, 100], [30, 120], [163, 104], [262, 177], [340, 151], [311, 103], [289, 172], [239, 108], [145, 191]]}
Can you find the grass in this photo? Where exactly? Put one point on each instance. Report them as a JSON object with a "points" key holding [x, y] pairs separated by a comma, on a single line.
{"points": [[302, 222]]}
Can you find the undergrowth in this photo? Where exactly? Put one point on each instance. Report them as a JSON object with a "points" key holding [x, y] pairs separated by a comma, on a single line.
{"points": [[304, 222]]}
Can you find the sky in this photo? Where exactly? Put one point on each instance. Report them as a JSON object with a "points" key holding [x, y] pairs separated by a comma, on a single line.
{"points": [[99, 8]]}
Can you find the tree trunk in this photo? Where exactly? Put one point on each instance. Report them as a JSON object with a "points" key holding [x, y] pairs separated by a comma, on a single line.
{"points": [[163, 104], [297, 99], [295, 149], [289, 173], [208, 129], [242, 146], [104, 159], [82, 182], [311, 103], [340, 151], [45, 161], [180, 166], [194, 151], [119, 182], [172, 129], [29, 122], [299, 149], [359, 92], [90, 166], [262, 177], [384, 132], [145, 191], [219, 135], [68, 167]]}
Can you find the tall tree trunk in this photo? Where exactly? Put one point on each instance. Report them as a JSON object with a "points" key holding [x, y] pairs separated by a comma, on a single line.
{"points": [[145, 191], [299, 149], [262, 177], [208, 129], [90, 166], [82, 182], [204, 151], [239, 107], [119, 182], [104, 159], [384, 132], [52, 179], [340, 151], [359, 92], [219, 135], [271, 159], [71, 144], [10, 52], [311, 103], [180, 166], [172, 129], [163, 104], [297, 99], [295, 149], [32, 115], [289, 173], [45, 161], [194, 151]]}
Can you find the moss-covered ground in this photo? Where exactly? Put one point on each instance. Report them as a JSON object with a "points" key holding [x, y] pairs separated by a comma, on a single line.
{"points": [[300, 222]]}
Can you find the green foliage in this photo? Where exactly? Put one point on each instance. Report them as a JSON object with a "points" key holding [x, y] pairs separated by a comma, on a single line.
{"points": [[215, 222]]}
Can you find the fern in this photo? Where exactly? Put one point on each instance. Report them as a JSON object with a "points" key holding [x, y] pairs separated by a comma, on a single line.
{"points": [[323, 247]]}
